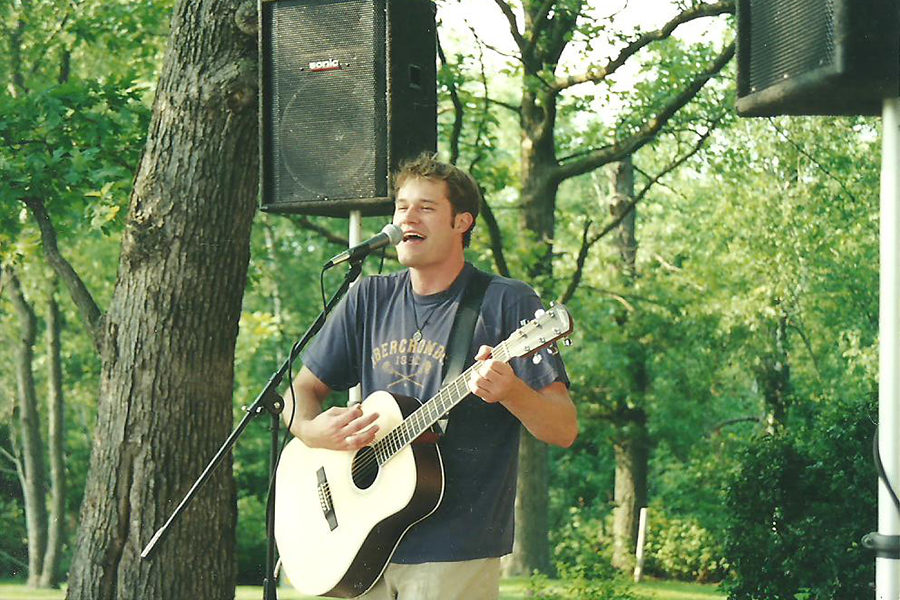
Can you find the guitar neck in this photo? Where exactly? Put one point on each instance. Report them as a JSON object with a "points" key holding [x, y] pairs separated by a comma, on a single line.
{"points": [[431, 411]]}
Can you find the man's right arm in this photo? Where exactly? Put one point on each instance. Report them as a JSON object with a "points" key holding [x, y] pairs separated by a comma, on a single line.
{"points": [[338, 428]]}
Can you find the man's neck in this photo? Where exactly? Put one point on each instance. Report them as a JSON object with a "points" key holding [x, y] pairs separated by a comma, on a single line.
{"points": [[432, 281]]}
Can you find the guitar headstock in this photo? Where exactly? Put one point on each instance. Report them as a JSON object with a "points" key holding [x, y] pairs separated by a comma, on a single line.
{"points": [[547, 327]]}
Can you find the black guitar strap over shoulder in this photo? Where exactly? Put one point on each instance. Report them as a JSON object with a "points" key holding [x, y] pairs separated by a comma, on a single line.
{"points": [[463, 330]]}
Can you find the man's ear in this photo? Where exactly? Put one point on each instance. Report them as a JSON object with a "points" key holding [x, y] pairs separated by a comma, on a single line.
{"points": [[463, 221]]}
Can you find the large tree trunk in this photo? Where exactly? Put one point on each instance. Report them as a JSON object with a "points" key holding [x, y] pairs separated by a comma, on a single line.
{"points": [[531, 551], [631, 445], [34, 484], [630, 493], [169, 336], [55, 443], [531, 548], [774, 374]]}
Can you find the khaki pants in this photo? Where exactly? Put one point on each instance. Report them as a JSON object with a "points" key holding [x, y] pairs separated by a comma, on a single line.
{"points": [[465, 580]]}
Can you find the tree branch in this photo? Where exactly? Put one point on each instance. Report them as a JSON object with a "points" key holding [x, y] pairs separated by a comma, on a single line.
{"points": [[331, 237], [513, 24], [620, 150], [588, 243], [600, 73], [90, 312], [579, 264], [812, 355], [812, 158], [517, 109], [496, 238], [562, 24], [718, 428], [536, 26]]}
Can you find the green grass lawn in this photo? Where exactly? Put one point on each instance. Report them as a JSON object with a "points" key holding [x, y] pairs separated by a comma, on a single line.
{"points": [[510, 589]]}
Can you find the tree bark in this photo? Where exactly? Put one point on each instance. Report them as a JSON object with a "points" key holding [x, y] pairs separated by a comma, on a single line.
{"points": [[531, 551], [630, 492], [774, 374], [169, 335], [631, 445], [55, 443], [35, 477], [531, 548]]}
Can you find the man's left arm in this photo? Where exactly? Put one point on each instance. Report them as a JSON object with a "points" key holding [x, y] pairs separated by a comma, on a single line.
{"points": [[548, 413]]}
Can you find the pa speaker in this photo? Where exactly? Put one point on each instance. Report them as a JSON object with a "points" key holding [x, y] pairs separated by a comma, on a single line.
{"points": [[816, 57], [348, 89]]}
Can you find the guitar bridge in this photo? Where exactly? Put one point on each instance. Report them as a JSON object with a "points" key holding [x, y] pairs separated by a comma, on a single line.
{"points": [[325, 501]]}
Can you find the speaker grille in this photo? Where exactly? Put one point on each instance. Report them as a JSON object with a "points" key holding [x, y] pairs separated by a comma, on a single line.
{"points": [[348, 89], [327, 94], [816, 57], [807, 31]]}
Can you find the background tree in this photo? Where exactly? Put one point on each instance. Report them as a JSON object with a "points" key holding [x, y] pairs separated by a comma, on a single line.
{"points": [[175, 311], [66, 136], [179, 229], [548, 156], [31, 466]]}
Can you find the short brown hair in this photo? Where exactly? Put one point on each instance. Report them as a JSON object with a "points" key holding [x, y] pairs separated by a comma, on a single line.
{"points": [[462, 190]]}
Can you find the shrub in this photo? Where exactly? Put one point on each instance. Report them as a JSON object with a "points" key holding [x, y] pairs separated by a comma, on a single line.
{"points": [[582, 546], [798, 507], [680, 548]]}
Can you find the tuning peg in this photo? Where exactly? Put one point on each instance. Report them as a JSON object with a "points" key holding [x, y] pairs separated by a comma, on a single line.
{"points": [[553, 350], [567, 342], [536, 359], [523, 322], [539, 313]]}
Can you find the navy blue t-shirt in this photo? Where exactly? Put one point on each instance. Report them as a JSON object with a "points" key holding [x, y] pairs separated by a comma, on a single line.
{"points": [[369, 339]]}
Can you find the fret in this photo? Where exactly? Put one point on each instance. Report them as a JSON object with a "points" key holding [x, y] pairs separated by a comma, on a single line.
{"points": [[547, 328]]}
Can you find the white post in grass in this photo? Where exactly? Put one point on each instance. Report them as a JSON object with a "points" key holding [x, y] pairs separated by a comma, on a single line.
{"points": [[639, 551]]}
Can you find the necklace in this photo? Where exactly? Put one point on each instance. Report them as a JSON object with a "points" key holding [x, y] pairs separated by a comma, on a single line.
{"points": [[417, 336]]}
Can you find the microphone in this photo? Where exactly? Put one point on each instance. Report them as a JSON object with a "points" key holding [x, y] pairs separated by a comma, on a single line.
{"points": [[390, 234]]}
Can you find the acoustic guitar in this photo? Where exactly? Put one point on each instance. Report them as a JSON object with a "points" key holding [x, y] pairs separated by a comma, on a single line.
{"points": [[339, 515]]}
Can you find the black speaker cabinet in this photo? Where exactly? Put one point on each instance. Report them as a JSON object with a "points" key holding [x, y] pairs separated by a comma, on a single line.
{"points": [[348, 89], [816, 57]]}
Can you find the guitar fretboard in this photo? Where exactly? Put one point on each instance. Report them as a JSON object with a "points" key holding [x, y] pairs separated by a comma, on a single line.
{"points": [[431, 411]]}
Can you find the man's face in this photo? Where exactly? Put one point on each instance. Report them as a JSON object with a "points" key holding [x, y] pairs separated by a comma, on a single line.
{"points": [[432, 234]]}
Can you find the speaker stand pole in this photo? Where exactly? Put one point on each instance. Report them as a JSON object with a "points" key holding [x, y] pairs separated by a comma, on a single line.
{"points": [[354, 235], [887, 562]]}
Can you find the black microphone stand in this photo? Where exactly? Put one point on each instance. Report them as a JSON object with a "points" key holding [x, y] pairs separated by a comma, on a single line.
{"points": [[270, 401]]}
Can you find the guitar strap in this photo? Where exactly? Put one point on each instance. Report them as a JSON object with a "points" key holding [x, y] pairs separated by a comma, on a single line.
{"points": [[462, 332]]}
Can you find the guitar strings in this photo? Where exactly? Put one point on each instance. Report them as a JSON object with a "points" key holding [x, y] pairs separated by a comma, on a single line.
{"points": [[394, 441]]}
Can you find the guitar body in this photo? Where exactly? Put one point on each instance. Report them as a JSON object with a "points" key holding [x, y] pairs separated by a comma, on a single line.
{"points": [[339, 516]]}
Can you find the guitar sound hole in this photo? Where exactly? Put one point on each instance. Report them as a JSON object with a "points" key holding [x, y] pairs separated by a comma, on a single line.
{"points": [[364, 468]]}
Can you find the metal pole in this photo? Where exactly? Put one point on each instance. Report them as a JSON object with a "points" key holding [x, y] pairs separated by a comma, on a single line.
{"points": [[355, 237], [887, 570]]}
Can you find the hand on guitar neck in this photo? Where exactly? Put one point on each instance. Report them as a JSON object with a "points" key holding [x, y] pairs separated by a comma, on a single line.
{"points": [[494, 380]]}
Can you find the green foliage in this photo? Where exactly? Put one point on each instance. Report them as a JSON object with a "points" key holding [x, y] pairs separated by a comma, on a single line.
{"points": [[799, 506], [582, 545], [73, 146], [580, 587], [682, 549], [251, 541]]}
